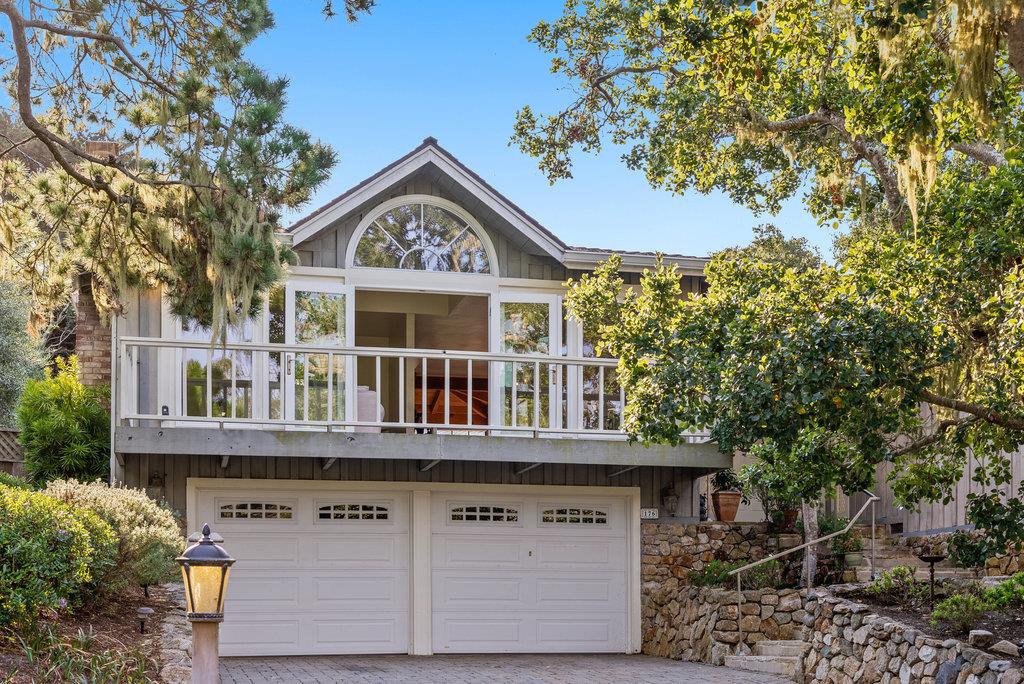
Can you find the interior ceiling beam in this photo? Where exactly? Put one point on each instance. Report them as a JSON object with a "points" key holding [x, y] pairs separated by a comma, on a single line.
{"points": [[427, 465]]}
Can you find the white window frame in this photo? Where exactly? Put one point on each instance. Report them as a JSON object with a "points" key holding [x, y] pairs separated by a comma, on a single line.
{"points": [[372, 215]]}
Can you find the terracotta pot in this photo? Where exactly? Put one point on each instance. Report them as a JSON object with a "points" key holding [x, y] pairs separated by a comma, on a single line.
{"points": [[726, 504], [789, 519]]}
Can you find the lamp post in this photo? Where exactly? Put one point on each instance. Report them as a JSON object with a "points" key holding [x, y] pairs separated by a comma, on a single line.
{"points": [[204, 568]]}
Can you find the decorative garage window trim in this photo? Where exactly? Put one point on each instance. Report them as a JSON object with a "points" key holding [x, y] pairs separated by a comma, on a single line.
{"points": [[477, 513], [353, 511], [255, 510], [574, 515]]}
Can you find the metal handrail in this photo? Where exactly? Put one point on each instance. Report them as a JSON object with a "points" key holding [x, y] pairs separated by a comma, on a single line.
{"points": [[738, 572]]}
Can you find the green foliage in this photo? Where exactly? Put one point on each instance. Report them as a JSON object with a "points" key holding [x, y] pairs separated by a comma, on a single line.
{"points": [[8, 480], [715, 573], [898, 586], [149, 537], [53, 553], [960, 610], [77, 658], [207, 164], [726, 481], [770, 575], [21, 356], [1007, 594], [65, 426], [967, 550], [772, 488]]}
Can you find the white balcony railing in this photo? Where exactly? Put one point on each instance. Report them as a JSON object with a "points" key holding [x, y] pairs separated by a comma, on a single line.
{"points": [[364, 389]]}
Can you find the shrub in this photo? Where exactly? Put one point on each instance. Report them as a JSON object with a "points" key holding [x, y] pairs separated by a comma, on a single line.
{"points": [[898, 586], [960, 610], [148, 535], [768, 575], [65, 426], [726, 481], [967, 551], [1007, 594], [13, 481], [714, 574], [51, 552]]}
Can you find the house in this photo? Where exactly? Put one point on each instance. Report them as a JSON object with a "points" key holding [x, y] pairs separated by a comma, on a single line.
{"points": [[411, 450]]}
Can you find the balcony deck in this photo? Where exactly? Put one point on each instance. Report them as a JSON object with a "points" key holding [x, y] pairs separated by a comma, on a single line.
{"points": [[186, 397]]}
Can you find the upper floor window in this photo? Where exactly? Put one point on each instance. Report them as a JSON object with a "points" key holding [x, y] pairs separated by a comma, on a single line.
{"points": [[422, 236]]}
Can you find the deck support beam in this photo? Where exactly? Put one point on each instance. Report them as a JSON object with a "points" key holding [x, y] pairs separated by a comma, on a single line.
{"points": [[427, 465], [328, 462], [622, 471], [527, 468]]}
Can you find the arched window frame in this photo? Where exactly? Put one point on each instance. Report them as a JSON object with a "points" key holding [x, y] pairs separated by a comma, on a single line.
{"points": [[371, 216]]}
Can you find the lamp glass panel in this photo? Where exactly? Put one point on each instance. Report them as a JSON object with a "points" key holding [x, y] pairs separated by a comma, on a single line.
{"points": [[204, 581]]}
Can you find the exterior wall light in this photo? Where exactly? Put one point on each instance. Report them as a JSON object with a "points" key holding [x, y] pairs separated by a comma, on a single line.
{"points": [[205, 567]]}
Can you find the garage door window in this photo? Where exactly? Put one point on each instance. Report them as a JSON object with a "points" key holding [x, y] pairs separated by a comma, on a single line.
{"points": [[255, 510], [353, 511], [574, 516], [476, 514]]}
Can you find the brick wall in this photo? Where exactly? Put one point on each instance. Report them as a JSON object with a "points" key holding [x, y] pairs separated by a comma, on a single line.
{"points": [[92, 338]]}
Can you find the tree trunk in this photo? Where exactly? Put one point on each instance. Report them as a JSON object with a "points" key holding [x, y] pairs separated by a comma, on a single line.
{"points": [[810, 567]]}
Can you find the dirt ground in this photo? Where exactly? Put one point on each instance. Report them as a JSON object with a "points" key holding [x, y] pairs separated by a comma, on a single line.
{"points": [[114, 620]]}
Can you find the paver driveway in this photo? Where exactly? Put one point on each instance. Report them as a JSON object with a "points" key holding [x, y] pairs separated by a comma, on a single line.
{"points": [[485, 669]]}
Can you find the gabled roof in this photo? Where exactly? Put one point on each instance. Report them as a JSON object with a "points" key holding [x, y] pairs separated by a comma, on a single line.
{"points": [[430, 152]]}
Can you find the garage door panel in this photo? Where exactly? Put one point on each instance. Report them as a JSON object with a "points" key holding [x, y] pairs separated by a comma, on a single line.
{"points": [[361, 552], [479, 552], [331, 578], [555, 585]]}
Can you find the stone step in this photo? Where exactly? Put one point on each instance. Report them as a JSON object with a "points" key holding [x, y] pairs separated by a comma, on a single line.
{"points": [[788, 648], [784, 666]]}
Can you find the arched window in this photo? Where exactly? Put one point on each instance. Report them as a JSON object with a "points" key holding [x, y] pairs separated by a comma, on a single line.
{"points": [[422, 236]]}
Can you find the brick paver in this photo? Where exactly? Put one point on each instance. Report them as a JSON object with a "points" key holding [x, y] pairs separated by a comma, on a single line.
{"points": [[482, 669]]}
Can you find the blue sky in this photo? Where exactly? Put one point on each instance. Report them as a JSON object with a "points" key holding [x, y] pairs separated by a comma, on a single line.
{"points": [[458, 70]]}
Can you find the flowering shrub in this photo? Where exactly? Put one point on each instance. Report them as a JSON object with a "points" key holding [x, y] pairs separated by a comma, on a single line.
{"points": [[51, 554], [148, 535], [65, 426]]}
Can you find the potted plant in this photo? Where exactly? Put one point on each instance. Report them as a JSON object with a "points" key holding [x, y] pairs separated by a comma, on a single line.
{"points": [[727, 495], [850, 546], [781, 506]]}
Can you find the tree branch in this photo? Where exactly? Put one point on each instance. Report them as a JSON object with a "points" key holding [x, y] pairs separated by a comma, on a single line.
{"points": [[981, 152], [982, 412], [937, 436]]}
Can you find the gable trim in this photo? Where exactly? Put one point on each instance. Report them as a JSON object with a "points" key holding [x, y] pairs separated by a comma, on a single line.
{"points": [[428, 152]]}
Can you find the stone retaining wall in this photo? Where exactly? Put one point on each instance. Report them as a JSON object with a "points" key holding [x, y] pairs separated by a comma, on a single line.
{"points": [[1007, 564], [848, 643], [672, 549]]}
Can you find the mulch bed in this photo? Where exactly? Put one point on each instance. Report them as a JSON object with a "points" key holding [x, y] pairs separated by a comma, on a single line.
{"points": [[1008, 624], [114, 620]]}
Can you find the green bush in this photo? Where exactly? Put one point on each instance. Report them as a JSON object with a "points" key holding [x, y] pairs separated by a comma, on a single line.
{"points": [[52, 553], [21, 356], [768, 575], [13, 481], [714, 574], [898, 586], [1007, 594], [65, 426], [149, 537], [960, 610], [967, 550], [77, 659]]}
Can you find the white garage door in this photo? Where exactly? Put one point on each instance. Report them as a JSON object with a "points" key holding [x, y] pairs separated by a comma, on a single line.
{"points": [[528, 573], [317, 571]]}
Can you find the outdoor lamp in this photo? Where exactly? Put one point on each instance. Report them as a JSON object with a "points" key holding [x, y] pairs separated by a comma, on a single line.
{"points": [[204, 570]]}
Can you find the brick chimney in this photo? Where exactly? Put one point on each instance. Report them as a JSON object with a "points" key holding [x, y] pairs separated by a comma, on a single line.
{"points": [[92, 337]]}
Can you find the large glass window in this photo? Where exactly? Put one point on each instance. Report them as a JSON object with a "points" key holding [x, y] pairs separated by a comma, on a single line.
{"points": [[422, 237], [525, 329], [229, 373], [319, 378]]}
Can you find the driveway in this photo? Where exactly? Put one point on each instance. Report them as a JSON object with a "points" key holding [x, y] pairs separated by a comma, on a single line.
{"points": [[482, 669]]}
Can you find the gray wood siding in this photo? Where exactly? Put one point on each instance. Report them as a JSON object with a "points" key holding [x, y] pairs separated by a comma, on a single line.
{"points": [[148, 470], [327, 249], [937, 515]]}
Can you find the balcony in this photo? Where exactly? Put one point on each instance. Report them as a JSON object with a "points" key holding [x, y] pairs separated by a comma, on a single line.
{"points": [[180, 383], [186, 397]]}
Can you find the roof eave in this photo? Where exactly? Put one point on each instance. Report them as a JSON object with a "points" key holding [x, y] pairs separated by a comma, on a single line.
{"points": [[587, 259]]}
